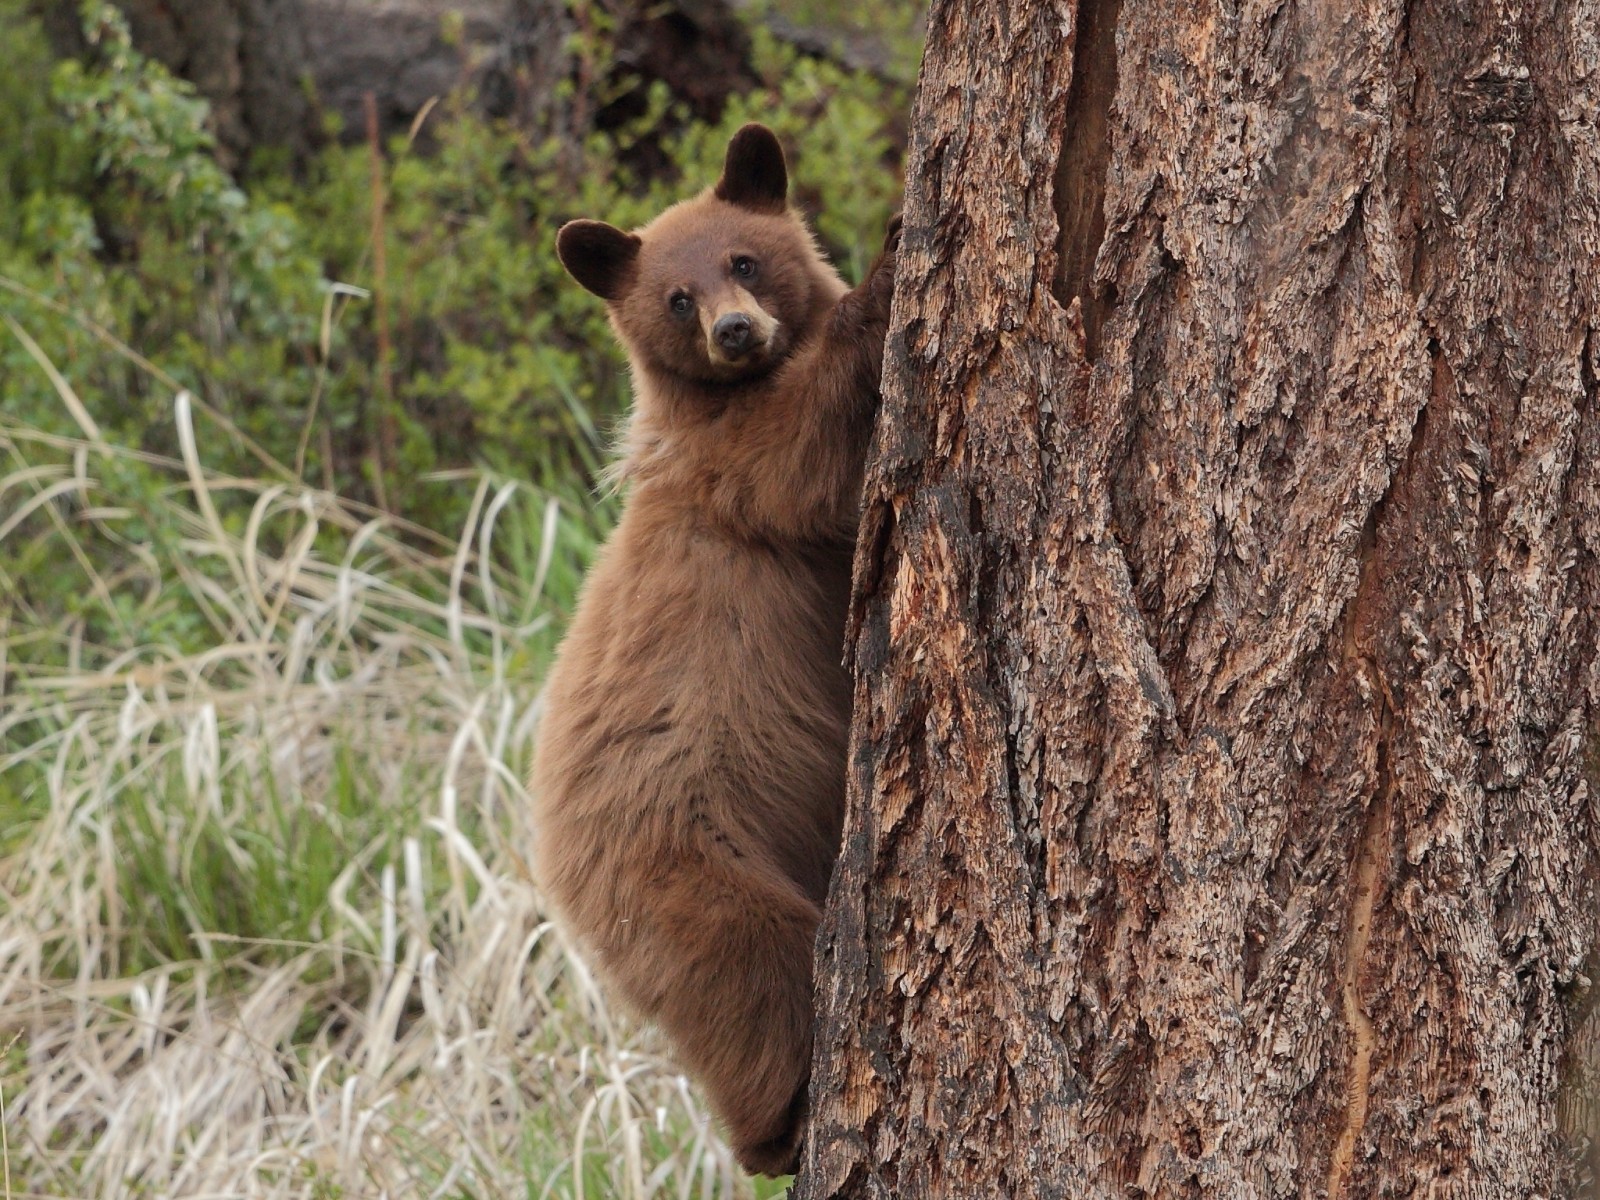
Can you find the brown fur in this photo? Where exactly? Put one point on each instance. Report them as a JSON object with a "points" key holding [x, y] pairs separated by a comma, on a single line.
{"points": [[691, 758]]}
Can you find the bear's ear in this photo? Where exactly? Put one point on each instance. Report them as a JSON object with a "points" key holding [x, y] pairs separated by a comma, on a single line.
{"points": [[599, 256], [753, 174]]}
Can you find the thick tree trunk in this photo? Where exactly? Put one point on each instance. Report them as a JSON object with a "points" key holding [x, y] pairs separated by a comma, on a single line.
{"points": [[1224, 784]]}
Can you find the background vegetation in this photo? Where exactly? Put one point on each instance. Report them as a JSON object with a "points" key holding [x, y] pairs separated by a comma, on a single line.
{"points": [[285, 542]]}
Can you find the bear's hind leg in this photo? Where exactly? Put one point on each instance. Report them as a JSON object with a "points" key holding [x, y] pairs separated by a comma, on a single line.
{"points": [[728, 978], [780, 1155]]}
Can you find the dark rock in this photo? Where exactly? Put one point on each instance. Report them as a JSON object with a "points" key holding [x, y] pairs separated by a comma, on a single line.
{"points": [[272, 69]]}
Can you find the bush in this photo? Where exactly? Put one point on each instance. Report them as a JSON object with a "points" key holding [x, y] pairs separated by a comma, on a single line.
{"points": [[261, 303]]}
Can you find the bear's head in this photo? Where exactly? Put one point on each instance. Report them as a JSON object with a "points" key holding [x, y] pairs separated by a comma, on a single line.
{"points": [[718, 289]]}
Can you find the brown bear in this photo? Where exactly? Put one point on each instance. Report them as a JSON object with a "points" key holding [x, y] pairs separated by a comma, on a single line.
{"points": [[690, 773]]}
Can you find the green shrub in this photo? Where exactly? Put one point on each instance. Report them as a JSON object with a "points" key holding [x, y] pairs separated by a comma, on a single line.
{"points": [[123, 231], [118, 211]]}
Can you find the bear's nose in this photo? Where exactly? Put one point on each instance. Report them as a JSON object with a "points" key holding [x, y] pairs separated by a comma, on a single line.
{"points": [[732, 333]]}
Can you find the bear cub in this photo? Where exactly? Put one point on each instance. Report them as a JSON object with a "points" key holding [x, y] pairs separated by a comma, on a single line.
{"points": [[690, 767]]}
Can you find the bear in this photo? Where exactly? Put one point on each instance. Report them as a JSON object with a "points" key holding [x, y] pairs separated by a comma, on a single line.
{"points": [[689, 776]]}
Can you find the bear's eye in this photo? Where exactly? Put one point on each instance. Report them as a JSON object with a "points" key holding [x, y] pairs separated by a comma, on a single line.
{"points": [[744, 266], [681, 304]]}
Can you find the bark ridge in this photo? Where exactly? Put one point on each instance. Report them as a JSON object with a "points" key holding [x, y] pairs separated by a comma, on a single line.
{"points": [[1222, 812]]}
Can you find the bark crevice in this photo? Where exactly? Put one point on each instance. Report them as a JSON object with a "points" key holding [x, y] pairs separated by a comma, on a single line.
{"points": [[1080, 183], [1369, 876]]}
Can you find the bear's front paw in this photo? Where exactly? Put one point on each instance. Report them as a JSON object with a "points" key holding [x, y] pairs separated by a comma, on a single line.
{"points": [[891, 238], [880, 280]]}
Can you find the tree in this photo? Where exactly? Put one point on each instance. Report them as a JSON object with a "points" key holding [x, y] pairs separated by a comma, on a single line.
{"points": [[1227, 627]]}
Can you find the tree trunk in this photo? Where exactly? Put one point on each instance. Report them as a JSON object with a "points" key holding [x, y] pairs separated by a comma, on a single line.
{"points": [[1223, 790]]}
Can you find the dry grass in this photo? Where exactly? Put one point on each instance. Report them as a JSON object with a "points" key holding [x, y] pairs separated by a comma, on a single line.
{"points": [[266, 928]]}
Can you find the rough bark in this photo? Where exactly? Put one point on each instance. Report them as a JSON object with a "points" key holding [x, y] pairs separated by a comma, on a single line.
{"points": [[1223, 788]]}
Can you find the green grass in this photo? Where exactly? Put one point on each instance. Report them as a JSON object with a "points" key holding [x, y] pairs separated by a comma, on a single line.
{"points": [[266, 926]]}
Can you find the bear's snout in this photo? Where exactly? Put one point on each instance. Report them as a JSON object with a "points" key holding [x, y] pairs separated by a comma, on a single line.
{"points": [[733, 333], [740, 335]]}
